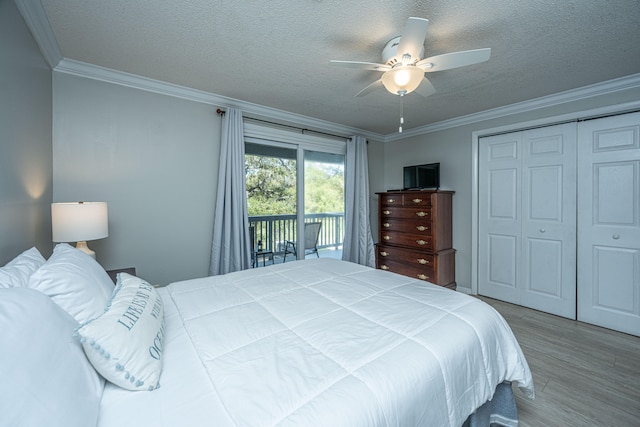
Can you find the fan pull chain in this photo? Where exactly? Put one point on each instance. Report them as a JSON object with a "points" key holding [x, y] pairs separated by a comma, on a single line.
{"points": [[401, 93]]}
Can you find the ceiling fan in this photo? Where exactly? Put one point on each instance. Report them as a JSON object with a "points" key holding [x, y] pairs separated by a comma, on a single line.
{"points": [[404, 67]]}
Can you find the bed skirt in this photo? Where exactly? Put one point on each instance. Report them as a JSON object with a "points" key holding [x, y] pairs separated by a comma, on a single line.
{"points": [[500, 410]]}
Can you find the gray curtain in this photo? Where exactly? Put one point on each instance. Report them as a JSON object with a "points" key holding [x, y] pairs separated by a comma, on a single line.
{"points": [[358, 242], [230, 249]]}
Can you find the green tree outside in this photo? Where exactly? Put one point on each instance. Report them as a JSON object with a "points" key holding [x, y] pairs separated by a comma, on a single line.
{"points": [[271, 185], [271, 188]]}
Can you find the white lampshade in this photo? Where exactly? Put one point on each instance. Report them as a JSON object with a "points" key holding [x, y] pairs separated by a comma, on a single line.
{"points": [[79, 222], [402, 79]]}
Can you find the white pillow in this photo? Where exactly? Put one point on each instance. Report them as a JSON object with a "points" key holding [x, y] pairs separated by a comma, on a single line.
{"points": [[74, 281], [45, 378], [125, 343], [17, 272]]}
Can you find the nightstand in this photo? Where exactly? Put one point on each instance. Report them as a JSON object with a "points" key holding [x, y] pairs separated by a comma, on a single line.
{"points": [[128, 270]]}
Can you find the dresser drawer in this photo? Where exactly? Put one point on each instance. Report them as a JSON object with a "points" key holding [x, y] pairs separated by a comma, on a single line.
{"points": [[408, 213], [420, 226], [411, 241], [416, 272], [416, 200], [415, 258], [391, 199]]}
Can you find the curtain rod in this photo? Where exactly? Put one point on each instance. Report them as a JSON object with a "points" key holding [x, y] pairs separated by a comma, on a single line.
{"points": [[221, 112]]}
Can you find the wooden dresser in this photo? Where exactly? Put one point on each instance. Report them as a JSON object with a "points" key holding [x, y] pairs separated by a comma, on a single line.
{"points": [[414, 235]]}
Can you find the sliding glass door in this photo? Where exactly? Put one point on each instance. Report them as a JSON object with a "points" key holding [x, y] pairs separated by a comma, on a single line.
{"points": [[324, 199], [282, 196], [271, 179]]}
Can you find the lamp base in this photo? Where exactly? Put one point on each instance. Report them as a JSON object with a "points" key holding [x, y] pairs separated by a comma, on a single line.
{"points": [[84, 248]]}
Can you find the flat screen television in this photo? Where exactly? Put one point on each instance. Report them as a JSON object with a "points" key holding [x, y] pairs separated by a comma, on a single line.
{"points": [[421, 177]]}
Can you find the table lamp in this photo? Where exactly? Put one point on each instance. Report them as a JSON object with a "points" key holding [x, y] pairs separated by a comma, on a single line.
{"points": [[79, 222]]}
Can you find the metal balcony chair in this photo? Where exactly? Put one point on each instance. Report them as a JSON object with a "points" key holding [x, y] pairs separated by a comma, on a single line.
{"points": [[311, 235]]}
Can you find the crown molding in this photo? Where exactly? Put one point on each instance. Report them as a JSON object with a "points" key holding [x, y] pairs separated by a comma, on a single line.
{"points": [[95, 72], [598, 89], [36, 19]]}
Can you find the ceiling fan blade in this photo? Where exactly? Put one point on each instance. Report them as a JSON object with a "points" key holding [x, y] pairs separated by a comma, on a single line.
{"points": [[360, 65], [372, 87], [412, 39], [425, 88], [451, 60]]}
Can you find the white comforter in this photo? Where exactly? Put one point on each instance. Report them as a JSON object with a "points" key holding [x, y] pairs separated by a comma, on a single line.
{"points": [[321, 343]]}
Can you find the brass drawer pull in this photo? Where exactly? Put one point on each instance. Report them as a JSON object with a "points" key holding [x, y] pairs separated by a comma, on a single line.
{"points": [[423, 261], [421, 214], [391, 200], [386, 237], [417, 200], [386, 224], [421, 242], [383, 253], [422, 228], [423, 277], [386, 212], [384, 267]]}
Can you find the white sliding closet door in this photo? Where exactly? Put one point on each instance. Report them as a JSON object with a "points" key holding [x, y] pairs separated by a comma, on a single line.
{"points": [[609, 222], [500, 217], [527, 218]]}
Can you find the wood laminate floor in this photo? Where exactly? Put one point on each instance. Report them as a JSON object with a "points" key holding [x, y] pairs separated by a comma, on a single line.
{"points": [[583, 375]]}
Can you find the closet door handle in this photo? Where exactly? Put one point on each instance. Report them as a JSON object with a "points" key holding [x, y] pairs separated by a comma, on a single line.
{"points": [[542, 230], [615, 237]]}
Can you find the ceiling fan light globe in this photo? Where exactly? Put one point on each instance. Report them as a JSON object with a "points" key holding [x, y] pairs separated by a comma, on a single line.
{"points": [[402, 79]]}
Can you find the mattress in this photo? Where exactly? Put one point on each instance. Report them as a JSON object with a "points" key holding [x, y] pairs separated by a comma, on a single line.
{"points": [[321, 342]]}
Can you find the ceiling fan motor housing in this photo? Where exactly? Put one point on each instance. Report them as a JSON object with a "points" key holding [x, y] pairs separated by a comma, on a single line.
{"points": [[390, 53]]}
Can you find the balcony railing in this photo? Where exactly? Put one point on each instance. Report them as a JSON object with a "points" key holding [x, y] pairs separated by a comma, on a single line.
{"points": [[274, 230]]}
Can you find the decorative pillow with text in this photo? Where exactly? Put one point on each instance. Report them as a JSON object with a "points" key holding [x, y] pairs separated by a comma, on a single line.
{"points": [[125, 343]]}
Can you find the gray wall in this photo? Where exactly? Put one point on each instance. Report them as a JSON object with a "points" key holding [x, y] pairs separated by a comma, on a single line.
{"points": [[25, 139], [453, 149], [154, 159]]}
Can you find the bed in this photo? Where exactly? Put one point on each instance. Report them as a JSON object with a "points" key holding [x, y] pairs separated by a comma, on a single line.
{"points": [[319, 342]]}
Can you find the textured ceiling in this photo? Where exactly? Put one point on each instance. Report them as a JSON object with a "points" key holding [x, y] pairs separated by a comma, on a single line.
{"points": [[276, 53]]}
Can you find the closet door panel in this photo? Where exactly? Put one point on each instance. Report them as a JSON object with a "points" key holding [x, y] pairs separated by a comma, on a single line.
{"points": [[545, 268], [609, 223], [549, 223], [499, 206], [502, 252], [622, 264]]}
